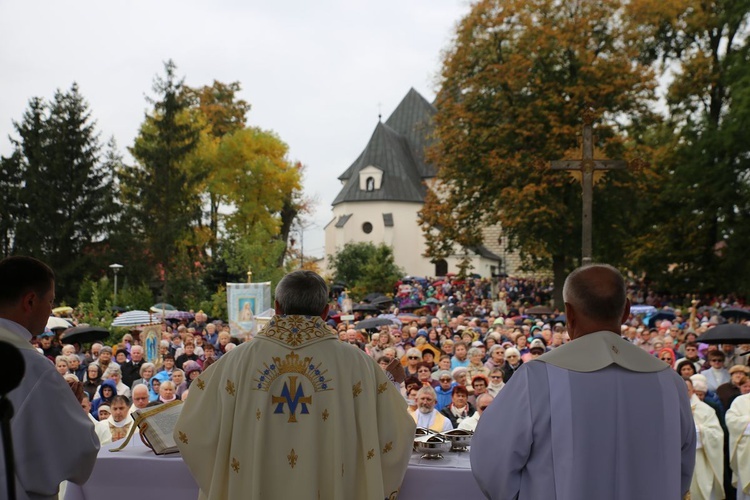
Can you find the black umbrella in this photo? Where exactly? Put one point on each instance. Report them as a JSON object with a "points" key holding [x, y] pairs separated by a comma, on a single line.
{"points": [[736, 313], [370, 297], [730, 333], [365, 308], [84, 334], [560, 319], [381, 301], [373, 323], [660, 315]]}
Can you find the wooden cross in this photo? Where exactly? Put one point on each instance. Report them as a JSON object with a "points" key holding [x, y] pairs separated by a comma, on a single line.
{"points": [[587, 169]]}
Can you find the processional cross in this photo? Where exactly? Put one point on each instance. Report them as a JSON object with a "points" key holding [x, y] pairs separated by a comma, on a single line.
{"points": [[587, 170]]}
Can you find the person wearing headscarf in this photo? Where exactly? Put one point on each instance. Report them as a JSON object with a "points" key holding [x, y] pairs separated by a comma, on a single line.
{"points": [[106, 392], [93, 380]]}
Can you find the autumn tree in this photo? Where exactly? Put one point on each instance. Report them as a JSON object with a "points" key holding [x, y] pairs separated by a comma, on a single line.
{"points": [[697, 237], [513, 89]]}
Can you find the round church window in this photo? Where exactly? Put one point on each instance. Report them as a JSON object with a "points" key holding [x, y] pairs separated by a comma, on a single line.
{"points": [[367, 227]]}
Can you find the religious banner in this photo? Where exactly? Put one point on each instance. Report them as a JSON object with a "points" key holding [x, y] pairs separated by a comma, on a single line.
{"points": [[150, 338], [244, 302]]}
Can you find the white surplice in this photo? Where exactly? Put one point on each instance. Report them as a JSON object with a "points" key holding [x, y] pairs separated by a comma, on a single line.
{"points": [[296, 414], [708, 478], [53, 438], [738, 423], [589, 420]]}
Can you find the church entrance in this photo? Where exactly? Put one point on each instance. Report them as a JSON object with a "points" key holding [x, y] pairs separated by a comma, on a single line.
{"points": [[441, 267]]}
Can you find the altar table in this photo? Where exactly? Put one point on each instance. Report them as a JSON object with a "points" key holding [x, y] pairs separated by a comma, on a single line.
{"points": [[135, 473]]}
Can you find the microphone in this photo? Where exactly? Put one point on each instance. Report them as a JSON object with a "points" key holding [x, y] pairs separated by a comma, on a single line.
{"points": [[11, 374], [11, 369]]}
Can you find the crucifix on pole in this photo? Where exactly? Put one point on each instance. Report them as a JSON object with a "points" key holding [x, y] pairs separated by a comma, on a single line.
{"points": [[587, 170]]}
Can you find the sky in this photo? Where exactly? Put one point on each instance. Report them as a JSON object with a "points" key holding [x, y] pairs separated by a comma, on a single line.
{"points": [[315, 73]]}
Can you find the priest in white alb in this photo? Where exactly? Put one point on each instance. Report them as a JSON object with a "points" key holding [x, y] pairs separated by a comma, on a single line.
{"points": [[738, 423], [296, 414], [708, 478], [597, 418]]}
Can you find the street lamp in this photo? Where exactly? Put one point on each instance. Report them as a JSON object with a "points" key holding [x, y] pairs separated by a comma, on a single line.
{"points": [[115, 268]]}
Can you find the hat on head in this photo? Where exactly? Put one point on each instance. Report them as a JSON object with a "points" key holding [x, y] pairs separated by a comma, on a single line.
{"points": [[458, 370], [546, 327], [46, 333], [442, 373], [700, 383], [477, 343], [190, 366], [537, 344], [739, 368], [104, 407]]}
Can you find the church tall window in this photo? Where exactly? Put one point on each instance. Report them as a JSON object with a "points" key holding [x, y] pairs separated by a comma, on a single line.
{"points": [[370, 184], [441, 267]]}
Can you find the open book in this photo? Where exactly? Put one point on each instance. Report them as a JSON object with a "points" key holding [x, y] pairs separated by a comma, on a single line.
{"points": [[156, 426]]}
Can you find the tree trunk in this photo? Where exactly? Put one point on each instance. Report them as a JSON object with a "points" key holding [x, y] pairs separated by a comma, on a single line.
{"points": [[558, 271]]}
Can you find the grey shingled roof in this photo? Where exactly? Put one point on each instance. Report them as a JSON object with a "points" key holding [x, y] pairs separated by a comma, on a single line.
{"points": [[485, 252], [343, 220], [397, 148]]}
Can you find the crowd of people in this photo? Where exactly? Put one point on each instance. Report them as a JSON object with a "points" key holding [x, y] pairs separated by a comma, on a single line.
{"points": [[457, 352]]}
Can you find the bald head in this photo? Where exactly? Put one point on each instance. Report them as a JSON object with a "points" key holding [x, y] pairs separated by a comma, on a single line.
{"points": [[596, 291], [140, 396], [595, 300]]}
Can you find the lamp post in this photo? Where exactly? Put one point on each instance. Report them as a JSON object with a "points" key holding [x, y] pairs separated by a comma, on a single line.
{"points": [[115, 268]]}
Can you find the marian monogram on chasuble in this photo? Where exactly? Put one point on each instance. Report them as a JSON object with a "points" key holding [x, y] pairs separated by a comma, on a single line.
{"points": [[294, 395]]}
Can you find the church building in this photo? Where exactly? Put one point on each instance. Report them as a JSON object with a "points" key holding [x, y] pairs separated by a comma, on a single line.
{"points": [[384, 189]]}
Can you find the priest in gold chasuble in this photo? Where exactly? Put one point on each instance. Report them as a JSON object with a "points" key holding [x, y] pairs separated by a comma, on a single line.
{"points": [[295, 413]]}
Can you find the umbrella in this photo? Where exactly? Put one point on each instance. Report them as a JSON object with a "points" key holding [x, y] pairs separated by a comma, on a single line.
{"points": [[407, 317], [84, 334], [539, 310], [432, 300], [62, 310], [560, 319], [162, 306], [370, 297], [179, 315], [365, 308], [642, 309], [381, 301], [371, 323], [663, 314], [133, 318], [54, 322], [431, 348], [730, 333], [393, 318], [736, 313]]}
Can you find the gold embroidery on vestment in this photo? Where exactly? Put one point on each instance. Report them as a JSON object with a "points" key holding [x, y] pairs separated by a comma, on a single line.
{"points": [[292, 364], [388, 447], [382, 387], [230, 387], [292, 458], [235, 465], [370, 454], [183, 437], [325, 414], [257, 414], [357, 389], [295, 330], [201, 384]]}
